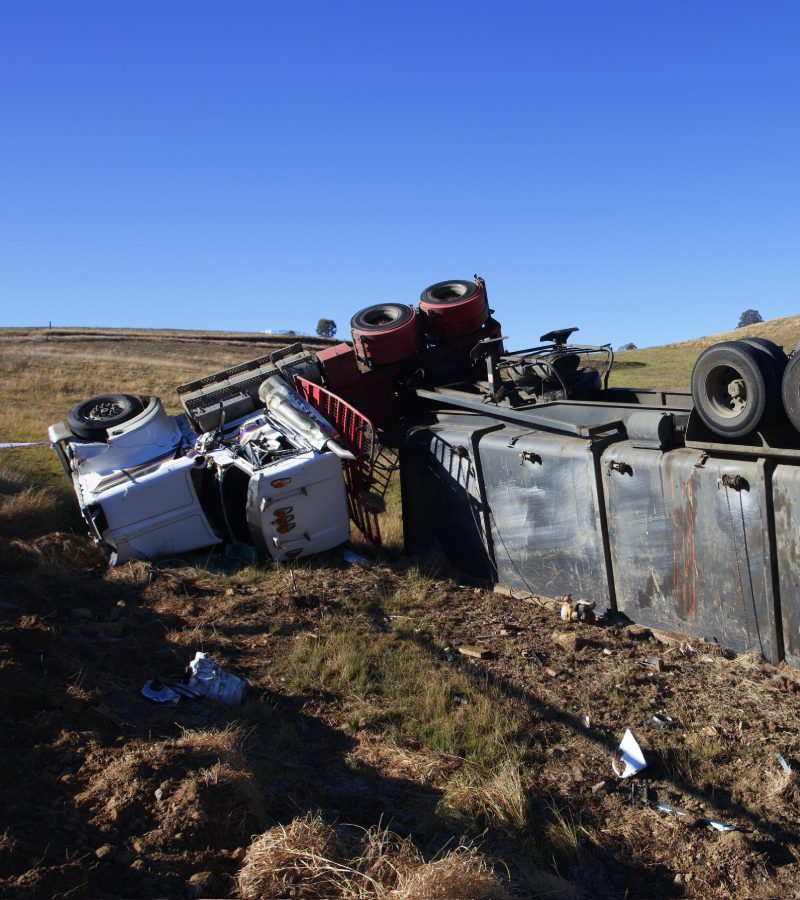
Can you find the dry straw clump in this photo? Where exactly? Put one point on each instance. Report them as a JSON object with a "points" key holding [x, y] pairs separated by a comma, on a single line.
{"points": [[386, 857], [302, 859], [496, 800], [462, 874], [308, 859]]}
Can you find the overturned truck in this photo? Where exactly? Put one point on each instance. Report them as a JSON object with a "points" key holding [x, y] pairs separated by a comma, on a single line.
{"points": [[676, 509]]}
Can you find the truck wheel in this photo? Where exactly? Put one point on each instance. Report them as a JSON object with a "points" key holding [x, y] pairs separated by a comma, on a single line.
{"points": [[382, 316], [790, 390], [385, 333], [91, 418], [731, 386], [776, 354], [453, 308]]}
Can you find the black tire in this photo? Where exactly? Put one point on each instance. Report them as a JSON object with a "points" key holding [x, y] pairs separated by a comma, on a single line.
{"points": [[92, 418], [381, 316], [445, 292], [776, 354], [733, 385], [790, 390]]}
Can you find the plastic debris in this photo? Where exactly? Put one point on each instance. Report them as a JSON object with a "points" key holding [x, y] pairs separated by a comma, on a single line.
{"points": [[783, 764], [713, 823], [661, 720], [577, 610], [159, 693], [665, 807], [208, 680], [630, 754], [353, 559], [474, 652]]}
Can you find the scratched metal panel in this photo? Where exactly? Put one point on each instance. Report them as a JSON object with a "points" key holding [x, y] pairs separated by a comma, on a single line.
{"points": [[541, 490], [441, 495], [690, 554], [786, 499]]}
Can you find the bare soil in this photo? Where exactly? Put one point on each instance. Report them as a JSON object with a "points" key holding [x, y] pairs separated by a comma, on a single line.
{"points": [[106, 794]]}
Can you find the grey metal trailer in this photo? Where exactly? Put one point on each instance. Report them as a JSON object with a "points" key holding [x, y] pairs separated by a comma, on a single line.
{"points": [[627, 500]]}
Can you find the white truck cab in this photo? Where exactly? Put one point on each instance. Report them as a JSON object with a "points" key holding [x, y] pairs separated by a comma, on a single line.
{"points": [[152, 485]]}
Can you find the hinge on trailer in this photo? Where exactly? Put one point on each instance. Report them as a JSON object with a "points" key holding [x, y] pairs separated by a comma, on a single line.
{"points": [[529, 456], [736, 482]]}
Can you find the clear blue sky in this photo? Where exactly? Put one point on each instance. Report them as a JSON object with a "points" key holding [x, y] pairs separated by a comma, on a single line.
{"points": [[629, 167]]}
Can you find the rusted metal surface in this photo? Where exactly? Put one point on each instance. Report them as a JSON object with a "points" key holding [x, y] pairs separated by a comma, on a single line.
{"points": [[689, 546], [702, 542], [786, 507], [544, 513]]}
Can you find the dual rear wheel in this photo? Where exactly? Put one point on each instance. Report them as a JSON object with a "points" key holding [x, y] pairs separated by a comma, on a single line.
{"points": [[736, 386]]}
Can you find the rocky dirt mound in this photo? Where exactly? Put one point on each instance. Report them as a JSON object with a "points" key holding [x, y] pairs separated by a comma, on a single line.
{"points": [[190, 793]]}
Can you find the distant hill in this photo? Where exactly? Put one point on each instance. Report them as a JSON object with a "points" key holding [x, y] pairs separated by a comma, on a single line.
{"points": [[670, 366], [77, 333]]}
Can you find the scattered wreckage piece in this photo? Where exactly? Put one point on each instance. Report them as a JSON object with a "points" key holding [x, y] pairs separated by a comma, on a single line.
{"points": [[203, 678], [630, 755]]}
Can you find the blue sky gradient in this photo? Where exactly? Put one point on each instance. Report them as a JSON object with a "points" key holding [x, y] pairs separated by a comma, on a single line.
{"points": [[629, 167]]}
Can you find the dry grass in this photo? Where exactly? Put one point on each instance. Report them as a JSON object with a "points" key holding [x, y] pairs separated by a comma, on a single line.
{"points": [[387, 858], [463, 874], [302, 859], [25, 511], [670, 366], [30, 512], [494, 800], [308, 859]]}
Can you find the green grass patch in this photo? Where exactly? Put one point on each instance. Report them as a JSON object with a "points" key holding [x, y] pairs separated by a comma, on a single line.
{"points": [[395, 678]]}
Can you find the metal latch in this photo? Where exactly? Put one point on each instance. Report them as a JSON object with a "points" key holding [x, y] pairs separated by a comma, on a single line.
{"points": [[617, 465], [736, 482], [529, 456]]}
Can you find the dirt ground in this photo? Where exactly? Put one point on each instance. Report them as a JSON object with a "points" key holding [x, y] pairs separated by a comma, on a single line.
{"points": [[106, 794], [371, 757]]}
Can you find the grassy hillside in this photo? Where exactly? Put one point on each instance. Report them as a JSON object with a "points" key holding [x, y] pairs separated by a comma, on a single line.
{"points": [[670, 366], [44, 372]]}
